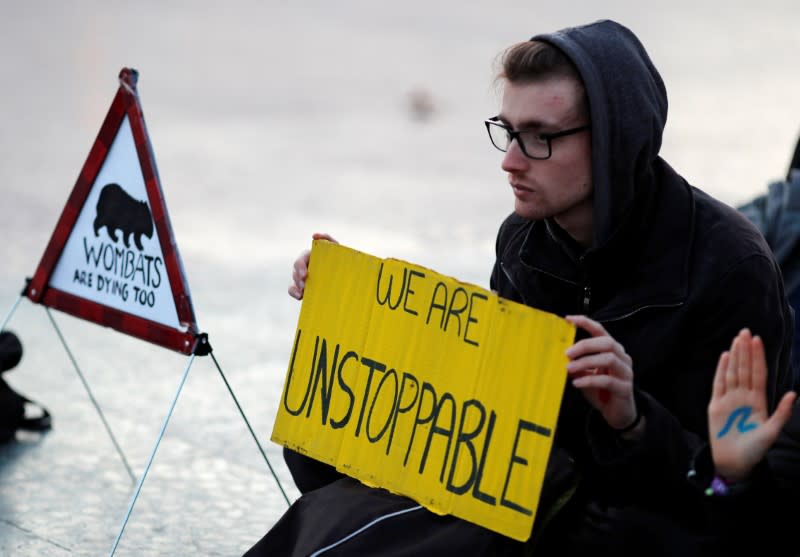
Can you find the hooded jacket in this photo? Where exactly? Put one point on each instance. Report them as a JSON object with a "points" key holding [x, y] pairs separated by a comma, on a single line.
{"points": [[672, 275]]}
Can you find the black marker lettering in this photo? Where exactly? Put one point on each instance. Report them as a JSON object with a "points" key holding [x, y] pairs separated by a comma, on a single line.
{"points": [[426, 388], [291, 374], [465, 438], [476, 489], [456, 311], [372, 365], [400, 408], [337, 424], [409, 291], [442, 306], [375, 438], [528, 426], [471, 319], [92, 254], [387, 297], [326, 388], [437, 430]]}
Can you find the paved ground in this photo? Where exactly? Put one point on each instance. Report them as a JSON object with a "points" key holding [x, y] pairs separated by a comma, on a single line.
{"points": [[65, 493]]}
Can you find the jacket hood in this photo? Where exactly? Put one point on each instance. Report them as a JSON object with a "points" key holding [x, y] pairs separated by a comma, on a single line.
{"points": [[628, 107]]}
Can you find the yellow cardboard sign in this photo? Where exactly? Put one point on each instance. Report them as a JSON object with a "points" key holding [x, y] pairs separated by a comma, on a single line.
{"points": [[426, 386]]}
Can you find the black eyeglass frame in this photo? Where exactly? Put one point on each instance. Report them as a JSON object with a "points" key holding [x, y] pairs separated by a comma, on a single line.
{"points": [[512, 135]]}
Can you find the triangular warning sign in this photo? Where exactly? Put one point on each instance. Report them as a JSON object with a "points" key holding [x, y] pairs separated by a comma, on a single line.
{"points": [[112, 258]]}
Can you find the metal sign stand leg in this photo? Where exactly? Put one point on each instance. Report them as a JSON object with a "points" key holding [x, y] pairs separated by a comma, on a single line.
{"points": [[83, 380], [91, 396], [252, 433], [10, 313], [152, 456], [203, 349]]}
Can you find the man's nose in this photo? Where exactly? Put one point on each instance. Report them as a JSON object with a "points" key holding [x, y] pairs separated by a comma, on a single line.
{"points": [[514, 159]]}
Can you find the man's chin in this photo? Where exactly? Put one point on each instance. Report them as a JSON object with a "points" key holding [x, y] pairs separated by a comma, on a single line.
{"points": [[527, 212]]}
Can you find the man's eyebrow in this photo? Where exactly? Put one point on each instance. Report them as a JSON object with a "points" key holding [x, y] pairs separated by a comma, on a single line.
{"points": [[525, 124]]}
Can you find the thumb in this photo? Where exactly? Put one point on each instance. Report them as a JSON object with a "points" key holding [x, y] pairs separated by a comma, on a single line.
{"points": [[781, 415]]}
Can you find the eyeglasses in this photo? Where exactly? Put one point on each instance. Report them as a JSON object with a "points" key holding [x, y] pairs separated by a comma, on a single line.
{"points": [[534, 144]]}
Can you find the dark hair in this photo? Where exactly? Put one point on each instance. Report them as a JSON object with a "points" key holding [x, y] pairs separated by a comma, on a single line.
{"points": [[535, 60], [532, 61]]}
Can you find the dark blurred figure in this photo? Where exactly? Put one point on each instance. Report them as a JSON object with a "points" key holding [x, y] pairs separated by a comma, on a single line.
{"points": [[777, 215], [12, 404]]}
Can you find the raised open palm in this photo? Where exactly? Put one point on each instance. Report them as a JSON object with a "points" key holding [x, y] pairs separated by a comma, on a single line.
{"points": [[740, 428]]}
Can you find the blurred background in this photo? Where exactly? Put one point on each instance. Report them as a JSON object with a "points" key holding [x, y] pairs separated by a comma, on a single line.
{"points": [[270, 121]]}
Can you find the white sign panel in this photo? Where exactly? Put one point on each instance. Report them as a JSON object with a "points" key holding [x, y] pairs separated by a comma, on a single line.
{"points": [[113, 256]]}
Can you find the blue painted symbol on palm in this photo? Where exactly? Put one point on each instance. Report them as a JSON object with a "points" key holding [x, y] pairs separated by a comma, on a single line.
{"points": [[743, 415]]}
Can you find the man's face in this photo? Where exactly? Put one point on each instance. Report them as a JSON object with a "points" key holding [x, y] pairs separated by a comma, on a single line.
{"points": [[559, 187]]}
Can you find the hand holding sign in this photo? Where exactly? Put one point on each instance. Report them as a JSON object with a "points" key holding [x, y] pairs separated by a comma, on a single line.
{"points": [[300, 268], [740, 428]]}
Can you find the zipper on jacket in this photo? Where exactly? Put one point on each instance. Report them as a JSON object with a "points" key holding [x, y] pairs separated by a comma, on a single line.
{"points": [[587, 289], [640, 308], [537, 270], [511, 281]]}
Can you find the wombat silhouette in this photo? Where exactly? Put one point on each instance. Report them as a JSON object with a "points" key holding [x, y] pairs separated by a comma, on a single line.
{"points": [[117, 210]]}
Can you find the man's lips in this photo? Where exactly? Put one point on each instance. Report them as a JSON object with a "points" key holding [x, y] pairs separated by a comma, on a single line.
{"points": [[520, 188]]}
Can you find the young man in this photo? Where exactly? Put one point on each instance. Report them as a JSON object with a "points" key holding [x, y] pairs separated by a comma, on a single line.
{"points": [[657, 276]]}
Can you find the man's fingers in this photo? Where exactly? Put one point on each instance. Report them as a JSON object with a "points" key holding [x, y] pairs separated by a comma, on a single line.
{"points": [[300, 267], [589, 325], [301, 264], [759, 364], [295, 292], [605, 360], [744, 372], [604, 382], [596, 345], [732, 373], [299, 275], [719, 376], [323, 236]]}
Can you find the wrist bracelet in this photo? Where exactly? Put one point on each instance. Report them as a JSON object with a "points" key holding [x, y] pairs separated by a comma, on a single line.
{"points": [[718, 486], [632, 425]]}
